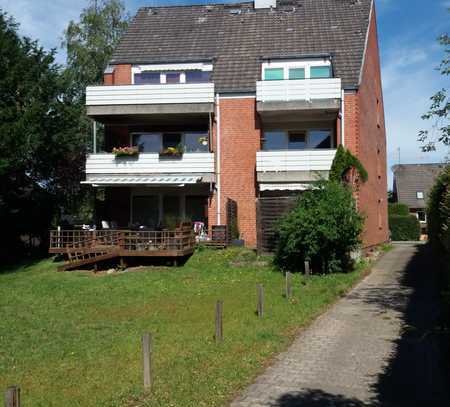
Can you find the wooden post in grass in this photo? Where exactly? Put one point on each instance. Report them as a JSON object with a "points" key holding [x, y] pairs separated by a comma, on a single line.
{"points": [[219, 325], [12, 396], [288, 285], [307, 269], [147, 355], [260, 306]]}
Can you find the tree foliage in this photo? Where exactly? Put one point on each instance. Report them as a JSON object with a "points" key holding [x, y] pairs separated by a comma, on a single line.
{"points": [[439, 108], [404, 227], [438, 212], [323, 228], [343, 164], [398, 209]]}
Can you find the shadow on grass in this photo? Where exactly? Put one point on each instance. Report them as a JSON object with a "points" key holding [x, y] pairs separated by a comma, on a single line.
{"points": [[22, 266]]}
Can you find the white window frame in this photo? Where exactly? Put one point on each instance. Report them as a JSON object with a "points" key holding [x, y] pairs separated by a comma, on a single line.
{"points": [[419, 194], [286, 64]]}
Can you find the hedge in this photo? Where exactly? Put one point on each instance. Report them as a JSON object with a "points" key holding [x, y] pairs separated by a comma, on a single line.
{"points": [[404, 227], [398, 209]]}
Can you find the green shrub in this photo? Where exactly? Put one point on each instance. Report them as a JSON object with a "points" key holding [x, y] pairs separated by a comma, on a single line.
{"points": [[344, 161], [438, 212], [323, 228], [404, 227], [398, 209]]}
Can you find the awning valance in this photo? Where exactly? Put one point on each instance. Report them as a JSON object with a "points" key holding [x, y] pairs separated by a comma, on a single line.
{"points": [[178, 180], [284, 187]]}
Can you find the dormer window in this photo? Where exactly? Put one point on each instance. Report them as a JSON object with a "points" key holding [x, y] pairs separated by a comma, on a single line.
{"points": [[297, 69], [171, 73]]}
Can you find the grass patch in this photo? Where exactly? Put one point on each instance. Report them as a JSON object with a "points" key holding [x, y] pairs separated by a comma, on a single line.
{"points": [[74, 338]]}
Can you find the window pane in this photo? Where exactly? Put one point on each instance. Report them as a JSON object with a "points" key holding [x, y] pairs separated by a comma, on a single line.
{"points": [[419, 195], [273, 74], [171, 140], [197, 76], [297, 73], [297, 141], [319, 139], [320, 72], [147, 143], [173, 77], [196, 142], [146, 78], [274, 140], [145, 210]]}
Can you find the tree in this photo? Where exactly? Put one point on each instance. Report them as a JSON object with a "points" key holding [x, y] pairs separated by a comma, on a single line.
{"points": [[89, 43], [439, 109]]}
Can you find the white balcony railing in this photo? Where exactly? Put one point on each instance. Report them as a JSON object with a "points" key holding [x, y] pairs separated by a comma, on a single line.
{"points": [[297, 90], [150, 94], [150, 163], [295, 160]]}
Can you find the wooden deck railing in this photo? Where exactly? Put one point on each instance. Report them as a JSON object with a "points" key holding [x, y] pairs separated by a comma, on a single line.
{"points": [[180, 239]]}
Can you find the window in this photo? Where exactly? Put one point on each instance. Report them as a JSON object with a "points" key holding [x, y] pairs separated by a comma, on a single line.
{"points": [[171, 208], [147, 143], [171, 140], [297, 141], [273, 74], [197, 76], [421, 215], [274, 140], [196, 208], [173, 77], [147, 78], [419, 194], [320, 72], [319, 139], [145, 210], [196, 142], [297, 73]]}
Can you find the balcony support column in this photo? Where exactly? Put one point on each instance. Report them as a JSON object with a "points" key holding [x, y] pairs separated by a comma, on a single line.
{"points": [[94, 135]]}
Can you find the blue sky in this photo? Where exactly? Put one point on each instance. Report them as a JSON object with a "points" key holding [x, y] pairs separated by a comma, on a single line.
{"points": [[409, 53]]}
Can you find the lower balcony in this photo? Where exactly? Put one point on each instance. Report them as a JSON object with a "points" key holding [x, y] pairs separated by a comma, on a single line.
{"points": [[149, 168], [294, 165]]}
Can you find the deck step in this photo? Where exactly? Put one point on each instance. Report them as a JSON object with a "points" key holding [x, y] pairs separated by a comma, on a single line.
{"points": [[93, 258]]}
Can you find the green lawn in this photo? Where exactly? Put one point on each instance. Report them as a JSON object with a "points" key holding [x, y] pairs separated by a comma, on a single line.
{"points": [[74, 338]]}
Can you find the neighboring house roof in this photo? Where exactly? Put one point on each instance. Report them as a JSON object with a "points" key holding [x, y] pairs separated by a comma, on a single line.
{"points": [[412, 178], [236, 36]]}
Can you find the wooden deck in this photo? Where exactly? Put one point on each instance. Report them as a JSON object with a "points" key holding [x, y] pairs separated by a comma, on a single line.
{"points": [[83, 247]]}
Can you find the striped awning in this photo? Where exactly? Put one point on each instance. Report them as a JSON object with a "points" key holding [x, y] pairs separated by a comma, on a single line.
{"points": [[179, 180], [284, 187]]}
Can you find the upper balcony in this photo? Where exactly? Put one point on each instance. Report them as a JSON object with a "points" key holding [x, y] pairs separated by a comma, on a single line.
{"points": [[300, 94], [150, 99]]}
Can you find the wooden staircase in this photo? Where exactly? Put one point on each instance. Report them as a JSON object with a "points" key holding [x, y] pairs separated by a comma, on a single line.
{"points": [[89, 255]]}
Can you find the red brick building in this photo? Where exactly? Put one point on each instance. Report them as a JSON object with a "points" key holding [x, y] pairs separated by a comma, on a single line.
{"points": [[239, 103]]}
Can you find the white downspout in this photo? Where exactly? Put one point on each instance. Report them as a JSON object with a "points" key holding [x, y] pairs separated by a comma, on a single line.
{"points": [[94, 134], [218, 209], [342, 119]]}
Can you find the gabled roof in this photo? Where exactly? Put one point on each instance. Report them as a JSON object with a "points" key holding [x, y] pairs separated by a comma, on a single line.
{"points": [[412, 178], [237, 36]]}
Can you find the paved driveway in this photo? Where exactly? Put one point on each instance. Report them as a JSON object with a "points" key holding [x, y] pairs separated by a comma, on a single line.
{"points": [[376, 347]]}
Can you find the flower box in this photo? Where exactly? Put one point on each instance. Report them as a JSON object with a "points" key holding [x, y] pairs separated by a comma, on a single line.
{"points": [[121, 152], [171, 152]]}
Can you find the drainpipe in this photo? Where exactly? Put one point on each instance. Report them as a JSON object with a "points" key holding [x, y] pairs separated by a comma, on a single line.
{"points": [[218, 200], [342, 119]]}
